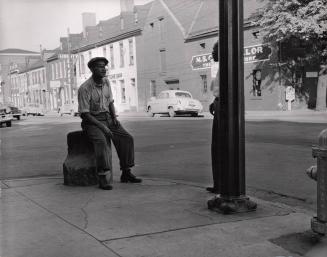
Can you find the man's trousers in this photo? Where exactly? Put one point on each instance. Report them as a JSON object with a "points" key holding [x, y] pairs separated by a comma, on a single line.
{"points": [[122, 141]]}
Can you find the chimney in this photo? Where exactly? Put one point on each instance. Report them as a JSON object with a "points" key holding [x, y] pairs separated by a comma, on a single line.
{"points": [[88, 19], [126, 6]]}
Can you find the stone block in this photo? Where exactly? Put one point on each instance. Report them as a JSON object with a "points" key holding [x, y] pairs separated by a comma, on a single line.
{"points": [[79, 167]]}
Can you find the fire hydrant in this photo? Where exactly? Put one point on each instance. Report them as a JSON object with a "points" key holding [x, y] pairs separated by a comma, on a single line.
{"points": [[319, 173]]}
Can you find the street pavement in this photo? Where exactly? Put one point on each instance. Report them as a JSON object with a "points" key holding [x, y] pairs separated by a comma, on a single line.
{"points": [[167, 214], [277, 152]]}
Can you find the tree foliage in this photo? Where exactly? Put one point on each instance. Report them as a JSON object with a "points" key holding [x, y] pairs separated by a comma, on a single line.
{"points": [[305, 20]]}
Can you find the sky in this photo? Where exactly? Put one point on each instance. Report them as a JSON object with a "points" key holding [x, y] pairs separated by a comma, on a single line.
{"points": [[27, 24]]}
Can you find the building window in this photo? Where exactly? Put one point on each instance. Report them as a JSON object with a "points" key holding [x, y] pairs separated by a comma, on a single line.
{"points": [[204, 83], [39, 76], [82, 64], [57, 70], [133, 82], [163, 65], [123, 91], [153, 88], [256, 85], [60, 70], [43, 76], [112, 59], [121, 51], [131, 52], [161, 28], [64, 69], [90, 55], [104, 49], [52, 72]]}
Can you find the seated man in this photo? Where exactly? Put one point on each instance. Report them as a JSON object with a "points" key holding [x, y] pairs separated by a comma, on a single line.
{"points": [[95, 104]]}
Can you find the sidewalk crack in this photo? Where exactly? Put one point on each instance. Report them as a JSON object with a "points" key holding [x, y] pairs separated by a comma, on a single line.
{"points": [[86, 218]]}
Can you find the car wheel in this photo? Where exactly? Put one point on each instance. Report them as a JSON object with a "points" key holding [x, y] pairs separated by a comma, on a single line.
{"points": [[171, 112], [8, 123], [195, 114], [150, 113]]}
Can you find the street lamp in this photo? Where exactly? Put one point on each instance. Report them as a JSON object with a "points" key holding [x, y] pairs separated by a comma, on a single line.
{"points": [[231, 153]]}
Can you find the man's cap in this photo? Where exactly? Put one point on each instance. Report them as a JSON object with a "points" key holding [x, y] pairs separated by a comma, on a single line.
{"points": [[94, 60]]}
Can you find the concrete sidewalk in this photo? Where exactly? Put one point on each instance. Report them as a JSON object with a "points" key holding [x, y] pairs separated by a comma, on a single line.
{"points": [[303, 116], [41, 217]]}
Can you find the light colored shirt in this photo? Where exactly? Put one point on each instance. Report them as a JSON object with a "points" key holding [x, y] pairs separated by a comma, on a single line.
{"points": [[94, 98]]}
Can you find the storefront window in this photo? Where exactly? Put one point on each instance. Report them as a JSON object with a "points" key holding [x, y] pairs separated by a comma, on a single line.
{"points": [[123, 91], [153, 88], [204, 83], [256, 87]]}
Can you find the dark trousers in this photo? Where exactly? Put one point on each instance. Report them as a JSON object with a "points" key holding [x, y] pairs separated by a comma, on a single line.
{"points": [[215, 147], [122, 140]]}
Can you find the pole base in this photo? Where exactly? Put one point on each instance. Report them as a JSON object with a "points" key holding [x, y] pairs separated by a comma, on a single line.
{"points": [[318, 226], [231, 205]]}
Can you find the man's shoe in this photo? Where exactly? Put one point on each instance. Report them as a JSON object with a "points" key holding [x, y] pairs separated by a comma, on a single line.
{"points": [[212, 190], [127, 176], [103, 183]]}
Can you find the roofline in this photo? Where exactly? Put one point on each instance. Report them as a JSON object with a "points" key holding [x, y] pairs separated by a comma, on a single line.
{"points": [[52, 58], [177, 22], [31, 69], [213, 32], [22, 54], [125, 35]]}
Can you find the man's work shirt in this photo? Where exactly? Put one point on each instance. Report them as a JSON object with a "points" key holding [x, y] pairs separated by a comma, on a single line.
{"points": [[94, 98]]}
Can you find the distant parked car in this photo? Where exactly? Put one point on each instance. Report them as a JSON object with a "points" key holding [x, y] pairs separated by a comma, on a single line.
{"points": [[71, 109], [34, 109], [16, 113], [174, 102], [5, 116]]}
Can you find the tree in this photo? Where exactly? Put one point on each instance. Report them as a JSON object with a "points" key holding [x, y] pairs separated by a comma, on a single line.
{"points": [[303, 21]]}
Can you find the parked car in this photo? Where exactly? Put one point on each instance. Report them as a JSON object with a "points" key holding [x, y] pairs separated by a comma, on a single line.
{"points": [[174, 102], [5, 116], [71, 109], [16, 113], [34, 109]]}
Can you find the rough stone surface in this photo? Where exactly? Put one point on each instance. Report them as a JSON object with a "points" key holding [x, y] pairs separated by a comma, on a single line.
{"points": [[79, 167]]}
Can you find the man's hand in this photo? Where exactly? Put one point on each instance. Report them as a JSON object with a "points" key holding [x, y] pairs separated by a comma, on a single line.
{"points": [[115, 122], [107, 132]]}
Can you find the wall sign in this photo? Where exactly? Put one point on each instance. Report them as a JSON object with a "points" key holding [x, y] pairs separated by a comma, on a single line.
{"points": [[256, 53], [290, 94], [115, 76], [202, 61], [311, 74]]}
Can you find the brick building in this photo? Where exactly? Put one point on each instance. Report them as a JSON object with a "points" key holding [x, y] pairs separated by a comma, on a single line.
{"points": [[178, 39], [9, 58]]}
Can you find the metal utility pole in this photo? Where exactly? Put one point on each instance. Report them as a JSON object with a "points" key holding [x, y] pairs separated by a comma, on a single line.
{"points": [[231, 156]]}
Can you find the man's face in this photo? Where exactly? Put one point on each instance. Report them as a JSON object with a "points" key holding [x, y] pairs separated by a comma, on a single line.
{"points": [[99, 69]]}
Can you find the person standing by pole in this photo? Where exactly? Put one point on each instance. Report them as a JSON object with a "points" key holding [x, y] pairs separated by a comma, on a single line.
{"points": [[214, 110]]}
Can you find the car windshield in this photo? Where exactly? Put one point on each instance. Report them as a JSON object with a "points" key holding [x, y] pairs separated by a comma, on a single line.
{"points": [[183, 94]]}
